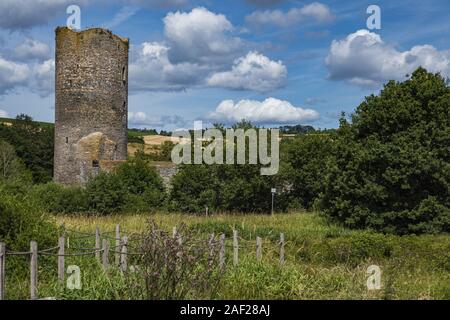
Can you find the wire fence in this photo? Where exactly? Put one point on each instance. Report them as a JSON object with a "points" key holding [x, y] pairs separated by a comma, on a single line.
{"points": [[124, 247]]}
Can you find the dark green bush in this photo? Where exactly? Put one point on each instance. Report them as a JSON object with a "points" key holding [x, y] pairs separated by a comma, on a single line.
{"points": [[135, 187], [56, 198], [305, 159], [391, 166]]}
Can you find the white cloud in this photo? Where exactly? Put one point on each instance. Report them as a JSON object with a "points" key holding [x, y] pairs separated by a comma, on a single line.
{"points": [[198, 51], [43, 82], [269, 111], [24, 14], [12, 74], [315, 11], [38, 77], [200, 36], [151, 69], [3, 114], [363, 58], [31, 49], [252, 72]]}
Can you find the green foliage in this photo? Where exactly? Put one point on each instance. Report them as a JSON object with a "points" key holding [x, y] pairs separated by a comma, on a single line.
{"points": [[391, 167], [232, 188], [56, 198], [228, 187], [33, 143], [134, 187], [22, 220], [305, 160], [354, 249], [106, 193], [11, 167]]}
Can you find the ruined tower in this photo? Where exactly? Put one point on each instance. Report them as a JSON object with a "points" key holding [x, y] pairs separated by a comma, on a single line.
{"points": [[91, 107]]}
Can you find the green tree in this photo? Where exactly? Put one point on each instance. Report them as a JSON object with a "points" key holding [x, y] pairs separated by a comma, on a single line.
{"points": [[305, 166], [391, 167], [11, 167], [33, 143]]}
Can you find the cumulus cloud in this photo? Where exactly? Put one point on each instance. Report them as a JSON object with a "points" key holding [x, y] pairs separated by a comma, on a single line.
{"points": [[24, 14], [200, 36], [198, 52], [315, 11], [269, 111], [12, 74], [252, 72], [3, 114], [31, 49], [38, 77], [151, 69], [363, 58]]}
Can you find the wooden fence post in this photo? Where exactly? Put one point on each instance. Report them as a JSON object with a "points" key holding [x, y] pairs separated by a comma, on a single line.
{"points": [[105, 248], [33, 270], [222, 251], [123, 255], [61, 267], [2, 270], [258, 248], [282, 249], [117, 249], [97, 244], [235, 248]]}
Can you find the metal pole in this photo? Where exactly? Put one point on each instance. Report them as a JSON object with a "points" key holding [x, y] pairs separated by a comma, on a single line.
{"points": [[273, 194]]}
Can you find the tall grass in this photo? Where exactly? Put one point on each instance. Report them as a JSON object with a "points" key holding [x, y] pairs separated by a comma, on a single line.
{"points": [[323, 261]]}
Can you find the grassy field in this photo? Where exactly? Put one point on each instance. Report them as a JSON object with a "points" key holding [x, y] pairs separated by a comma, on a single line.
{"points": [[323, 261]]}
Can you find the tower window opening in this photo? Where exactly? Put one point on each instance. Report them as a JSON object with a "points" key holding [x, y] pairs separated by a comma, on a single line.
{"points": [[67, 139], [95, 164]]}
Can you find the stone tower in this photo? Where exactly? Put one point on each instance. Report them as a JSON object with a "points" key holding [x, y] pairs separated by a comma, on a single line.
{"points": [[91, 93]]}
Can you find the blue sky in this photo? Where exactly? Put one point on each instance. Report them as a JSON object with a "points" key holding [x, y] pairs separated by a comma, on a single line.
{"points": [[271, 61]]}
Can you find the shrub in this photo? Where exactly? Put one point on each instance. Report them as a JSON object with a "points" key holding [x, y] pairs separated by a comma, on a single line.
{"points": [[106, 193], [11, 167], [134, 187], [390, 170], [21, 220], [56, 198]]}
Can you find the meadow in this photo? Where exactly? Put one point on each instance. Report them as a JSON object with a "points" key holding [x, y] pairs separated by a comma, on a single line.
{"points": [[323, 260]]}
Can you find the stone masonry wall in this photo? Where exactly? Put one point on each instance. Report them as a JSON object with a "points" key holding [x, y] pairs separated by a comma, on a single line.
{"points": [[91, 102]]}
